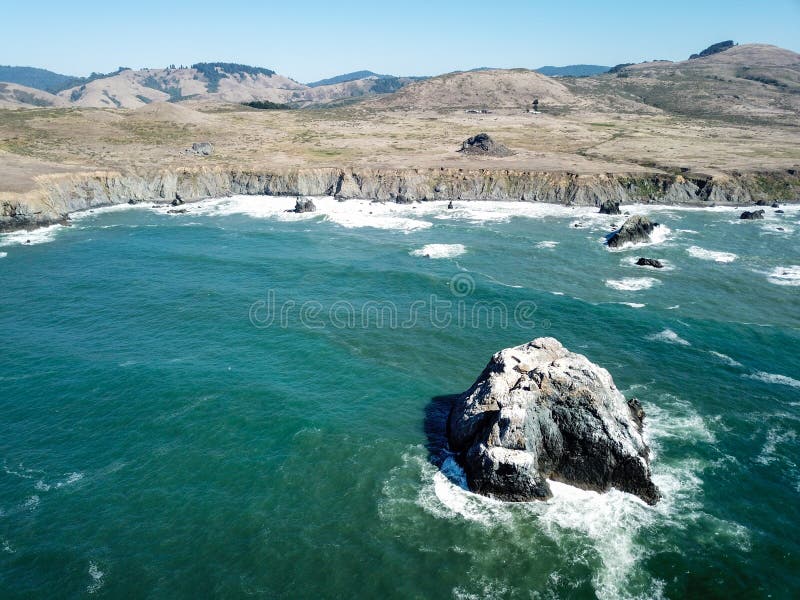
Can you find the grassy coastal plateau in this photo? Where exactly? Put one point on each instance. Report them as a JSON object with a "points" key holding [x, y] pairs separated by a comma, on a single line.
{"points": [[661, 131]]}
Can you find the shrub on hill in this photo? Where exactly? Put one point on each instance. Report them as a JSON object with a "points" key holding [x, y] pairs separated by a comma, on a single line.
{"points": [[216, 71]]}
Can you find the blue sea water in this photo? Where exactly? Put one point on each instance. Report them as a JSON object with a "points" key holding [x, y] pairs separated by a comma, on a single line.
{"points": [[238, 401]]}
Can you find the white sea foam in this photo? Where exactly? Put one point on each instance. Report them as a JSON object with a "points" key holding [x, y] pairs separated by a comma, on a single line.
{"points": [[703, 254], [439, 251], [632, 304], [774, 378], [775, 437], [31, 503], [789, 276], [3, 254], [37, 236], [726, 359], [547, 244], [632, 284], [7, 546], [777, 228], [70, 479], [97, 578], [668, 336]]}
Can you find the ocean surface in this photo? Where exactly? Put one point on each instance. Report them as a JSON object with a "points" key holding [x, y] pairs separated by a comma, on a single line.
{"points": [[243, 402]]}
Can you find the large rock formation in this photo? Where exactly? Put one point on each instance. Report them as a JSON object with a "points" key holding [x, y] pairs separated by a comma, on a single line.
{"points": [[483, 145], [539, 412], [752, 216], [635, 230]]}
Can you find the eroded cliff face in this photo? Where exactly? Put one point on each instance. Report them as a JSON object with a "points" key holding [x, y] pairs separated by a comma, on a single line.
{"points": [[59, 195]]}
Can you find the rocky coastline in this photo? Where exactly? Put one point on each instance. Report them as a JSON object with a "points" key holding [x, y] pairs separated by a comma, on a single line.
{"points": [[59, 195]]}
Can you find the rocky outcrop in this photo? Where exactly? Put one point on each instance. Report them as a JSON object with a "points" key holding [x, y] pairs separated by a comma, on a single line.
{"points": [[304, 205], [483, 145], [202, 149], [649, 262], [59, 195], [610, 207], [752, 216], [540, 412], [635, 230]]}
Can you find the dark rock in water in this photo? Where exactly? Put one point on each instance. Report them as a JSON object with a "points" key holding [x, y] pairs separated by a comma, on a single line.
{"points": [[649, 262], [609, 207], [752, 216], [761, 203], [775, 205], [304, 205], [635, 230], [131, 201], [403, 199], [450, 205], [176, 202], [483, 144], [177, 211], [539, 412], [778, 212]]}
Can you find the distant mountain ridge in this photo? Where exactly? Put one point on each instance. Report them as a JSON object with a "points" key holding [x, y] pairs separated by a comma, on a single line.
{"points": [[573, 70], [347, 77]]}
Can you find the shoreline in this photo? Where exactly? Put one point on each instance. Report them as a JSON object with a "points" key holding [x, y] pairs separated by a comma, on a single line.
{"points": [[58, 196]]}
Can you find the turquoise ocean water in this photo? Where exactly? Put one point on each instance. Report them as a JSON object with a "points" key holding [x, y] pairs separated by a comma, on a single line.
{"points": [[240, 402]]}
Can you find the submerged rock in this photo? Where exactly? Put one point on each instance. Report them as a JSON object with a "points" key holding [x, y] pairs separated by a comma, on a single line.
{"points": [[304, 205], [610, 207], [649, 262], [483, 144], [752, 216], [635, 230], [539, 412]]}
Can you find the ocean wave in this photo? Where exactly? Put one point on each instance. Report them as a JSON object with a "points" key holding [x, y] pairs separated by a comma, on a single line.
{"points": [[789, 276], [439, 251], [726, 359], [774, 378], [632, 304], [703, 254], [547, 244], [632, 284], [3, 254], [70, 479], [668, 336], [6, 546], [29, 238], [775, 437]]}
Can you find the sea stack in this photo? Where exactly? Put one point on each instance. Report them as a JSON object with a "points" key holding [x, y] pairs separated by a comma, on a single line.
{"points": [[539, 412], [610, 207], [483, 145], [752, 216], [635, 230], [304, 205]]}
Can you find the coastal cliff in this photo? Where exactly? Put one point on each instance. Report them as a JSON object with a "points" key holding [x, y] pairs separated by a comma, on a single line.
{"points": [[58, 195]]}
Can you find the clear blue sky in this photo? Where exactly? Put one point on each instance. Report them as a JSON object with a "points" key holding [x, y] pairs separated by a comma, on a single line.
{"points": [[311, 39]]}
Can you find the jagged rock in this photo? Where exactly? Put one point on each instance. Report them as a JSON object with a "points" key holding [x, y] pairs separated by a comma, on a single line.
{"points": [[176, 202], [450, 205], [177, 211], [203, 148], [539, 412], [634, 230], [403, 199], [610, 207], [304, 205], [775, 205], [482, 144], [649, 262], [752, 216]]}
